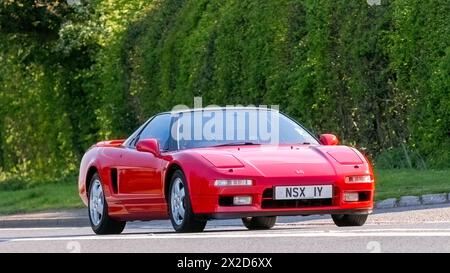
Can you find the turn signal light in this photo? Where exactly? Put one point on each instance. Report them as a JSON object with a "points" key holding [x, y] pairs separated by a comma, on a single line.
{"points": [[242, 200], [351, 197]]}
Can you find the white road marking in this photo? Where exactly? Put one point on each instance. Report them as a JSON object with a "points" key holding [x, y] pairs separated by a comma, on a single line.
{"points": [[330, 233], [396, 229], [369, 223]]}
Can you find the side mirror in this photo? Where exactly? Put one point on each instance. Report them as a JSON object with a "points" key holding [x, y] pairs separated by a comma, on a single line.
{"points": [[148, 146], [328, 139]]}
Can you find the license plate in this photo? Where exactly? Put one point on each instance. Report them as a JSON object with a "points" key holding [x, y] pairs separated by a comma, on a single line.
{"points": [[303, 192]]}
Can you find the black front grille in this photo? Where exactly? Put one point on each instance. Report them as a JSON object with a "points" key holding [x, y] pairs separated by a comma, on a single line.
{"points": [[268, 193], [269, 203], [364, 196], [226, 201]]}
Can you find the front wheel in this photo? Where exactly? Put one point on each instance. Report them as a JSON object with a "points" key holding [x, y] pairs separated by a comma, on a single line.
{"points": [[181, 215], [263, 222], [100, 221], [349, 220]]}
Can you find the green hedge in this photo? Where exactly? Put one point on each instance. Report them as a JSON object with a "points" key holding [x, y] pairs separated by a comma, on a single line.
{"points": [[377, 76]]}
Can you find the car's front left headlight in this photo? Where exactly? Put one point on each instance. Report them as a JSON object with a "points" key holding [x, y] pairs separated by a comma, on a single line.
{"points": [[358, 179]]}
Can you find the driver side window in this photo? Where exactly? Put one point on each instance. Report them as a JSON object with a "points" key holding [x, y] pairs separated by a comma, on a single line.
{"points": [[158, 128]]}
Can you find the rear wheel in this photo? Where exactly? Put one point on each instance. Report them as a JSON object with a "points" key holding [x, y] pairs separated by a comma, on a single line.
{"points": [[100, 221], [263, 222], [349, 220], [181, 215]]}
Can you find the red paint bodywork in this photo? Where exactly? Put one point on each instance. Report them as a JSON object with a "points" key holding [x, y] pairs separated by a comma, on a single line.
{"points": [[140, 190]]}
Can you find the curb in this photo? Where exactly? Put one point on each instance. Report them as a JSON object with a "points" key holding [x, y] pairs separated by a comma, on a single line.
{"points": [[410, 201], [41, 223], [67, 218]]}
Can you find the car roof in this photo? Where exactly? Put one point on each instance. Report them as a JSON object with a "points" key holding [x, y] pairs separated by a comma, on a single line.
{"points": [[218, 109]]}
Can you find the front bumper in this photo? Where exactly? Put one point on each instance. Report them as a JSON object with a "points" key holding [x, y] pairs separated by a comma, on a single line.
{"points": [[211, 205]]}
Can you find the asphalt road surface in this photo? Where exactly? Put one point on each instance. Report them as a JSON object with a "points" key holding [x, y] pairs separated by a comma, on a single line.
{"points": [[397, 230]]}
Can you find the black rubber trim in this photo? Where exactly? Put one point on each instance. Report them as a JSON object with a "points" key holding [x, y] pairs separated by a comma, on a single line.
{"points": [[231, 215]]}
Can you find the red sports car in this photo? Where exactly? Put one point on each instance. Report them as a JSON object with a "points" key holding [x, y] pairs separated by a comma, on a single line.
{"points": [[199, 164]]}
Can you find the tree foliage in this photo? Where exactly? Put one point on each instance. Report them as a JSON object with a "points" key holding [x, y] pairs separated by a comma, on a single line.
{"points": [[72, 74]]}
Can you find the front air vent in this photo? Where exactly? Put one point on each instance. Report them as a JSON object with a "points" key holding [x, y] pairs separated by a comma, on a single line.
{"points": [[114, 180]]}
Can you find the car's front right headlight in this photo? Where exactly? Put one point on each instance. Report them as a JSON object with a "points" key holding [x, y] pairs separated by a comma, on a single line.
{"points": [[233, 182]]}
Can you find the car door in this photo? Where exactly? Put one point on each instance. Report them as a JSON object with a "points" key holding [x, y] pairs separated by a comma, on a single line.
{"points": [[140, 173]]}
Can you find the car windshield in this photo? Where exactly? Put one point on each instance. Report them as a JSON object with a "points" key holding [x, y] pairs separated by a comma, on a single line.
{"points": [[228, 127]]}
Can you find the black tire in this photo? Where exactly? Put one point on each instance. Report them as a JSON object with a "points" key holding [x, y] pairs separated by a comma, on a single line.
{"points": [[259, 223], [107, 225], [349, 220], [190, 223]]}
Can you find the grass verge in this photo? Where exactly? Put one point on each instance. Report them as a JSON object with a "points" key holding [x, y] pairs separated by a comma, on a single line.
{"points": [[396, 183], [23, 196], [18, 196]]}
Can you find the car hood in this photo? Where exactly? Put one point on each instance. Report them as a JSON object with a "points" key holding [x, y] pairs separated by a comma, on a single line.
{"points": [[282, 161]]}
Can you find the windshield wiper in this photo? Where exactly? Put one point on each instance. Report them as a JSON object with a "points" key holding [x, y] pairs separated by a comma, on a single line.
{"points": [[237, 144]]}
